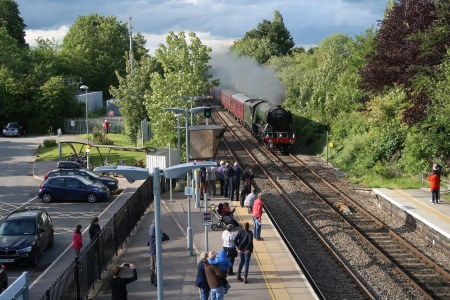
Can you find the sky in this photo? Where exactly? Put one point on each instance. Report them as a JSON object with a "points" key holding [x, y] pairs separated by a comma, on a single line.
{"points": [[216, 22]]}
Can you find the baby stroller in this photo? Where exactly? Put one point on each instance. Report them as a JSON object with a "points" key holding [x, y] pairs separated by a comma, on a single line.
{"points": [[221, 220]]}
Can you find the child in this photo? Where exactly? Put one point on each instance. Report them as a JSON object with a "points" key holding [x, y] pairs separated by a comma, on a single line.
{"points": [[435, 185], [224, 263]]}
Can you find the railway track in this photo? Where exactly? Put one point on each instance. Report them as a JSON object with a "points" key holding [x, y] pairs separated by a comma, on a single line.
{"points": [[353, 251]]}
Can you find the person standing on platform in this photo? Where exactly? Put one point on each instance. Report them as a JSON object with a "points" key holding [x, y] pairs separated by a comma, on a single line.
{"points": [[221, 177], [226, 175], [235, 179], [212, 180], [435, 185], [246, 179], [250, 199], [203, 183], [228, 237], [244, 245], [201, 281], [152, 244], [119, 284], [94, 229], [257, 211], [77, 241], [214, 276]]}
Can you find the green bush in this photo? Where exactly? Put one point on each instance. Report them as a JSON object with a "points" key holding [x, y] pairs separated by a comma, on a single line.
{"points": [[49, 143], [100, 138]]}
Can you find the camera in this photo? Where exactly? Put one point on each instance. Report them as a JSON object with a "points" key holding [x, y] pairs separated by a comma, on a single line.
{"points": [[127, 265]]}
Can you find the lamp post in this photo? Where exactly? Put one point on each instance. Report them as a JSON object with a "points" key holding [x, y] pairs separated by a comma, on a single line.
{"points": [[187, 111], [195, 98], [85, 87]]}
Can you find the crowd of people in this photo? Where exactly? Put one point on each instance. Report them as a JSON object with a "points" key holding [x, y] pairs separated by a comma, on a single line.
{"points": [[213, 269]]}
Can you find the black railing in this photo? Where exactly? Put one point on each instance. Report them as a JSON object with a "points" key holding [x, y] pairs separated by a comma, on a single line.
{"points": [[80, 276]]}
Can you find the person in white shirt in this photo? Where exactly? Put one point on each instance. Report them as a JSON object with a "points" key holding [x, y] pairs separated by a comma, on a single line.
{"points": [[228, 237]]}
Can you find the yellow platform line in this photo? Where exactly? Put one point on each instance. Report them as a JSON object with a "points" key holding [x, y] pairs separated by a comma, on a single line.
{"points": [[271, 276], [424, 206]]}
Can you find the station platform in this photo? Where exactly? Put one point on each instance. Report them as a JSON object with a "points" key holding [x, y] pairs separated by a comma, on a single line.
{"points": [[273, 273], [430, 219]]}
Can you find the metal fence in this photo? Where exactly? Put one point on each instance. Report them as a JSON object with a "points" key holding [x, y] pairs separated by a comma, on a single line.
{"points": [[80, 276], [78, 125]]}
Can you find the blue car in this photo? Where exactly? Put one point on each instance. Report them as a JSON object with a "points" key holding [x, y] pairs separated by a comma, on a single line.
{"points": [[72, 187]]}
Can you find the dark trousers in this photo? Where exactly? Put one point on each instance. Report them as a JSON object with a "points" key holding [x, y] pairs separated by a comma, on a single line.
{"points": [[153, 269], [234, 190], [227, 188], [222, 187]]}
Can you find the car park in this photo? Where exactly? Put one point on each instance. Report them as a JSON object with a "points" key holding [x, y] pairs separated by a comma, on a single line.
{"points": [[111, 182], [72, 187], [24, 235], [13, 129], [3, 278]]}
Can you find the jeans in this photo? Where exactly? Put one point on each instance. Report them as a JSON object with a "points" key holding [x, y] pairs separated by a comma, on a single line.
{"points": [[204, 294], [245, 259], [256, 228], [217, 293], [153, 269]]}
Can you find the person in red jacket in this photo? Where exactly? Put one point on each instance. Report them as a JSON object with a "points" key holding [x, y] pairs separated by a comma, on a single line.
{"points": [[257, 211], [77, 241], [435, 185], [106, 126]]}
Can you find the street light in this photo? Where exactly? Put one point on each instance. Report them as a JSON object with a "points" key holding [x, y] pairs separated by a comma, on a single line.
{"points": [[85, 87], [195, 98]]}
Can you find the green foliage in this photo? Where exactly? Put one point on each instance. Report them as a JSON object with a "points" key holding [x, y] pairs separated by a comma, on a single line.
{"points": [[270, 38], [95, 47], [185, 65], [11, 21], [49, 142], [100, 137]]}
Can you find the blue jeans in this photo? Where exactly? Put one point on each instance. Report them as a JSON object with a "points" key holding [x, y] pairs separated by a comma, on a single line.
{"points": [[245, 259], [217, 293], [204, 294], [256, 228]]}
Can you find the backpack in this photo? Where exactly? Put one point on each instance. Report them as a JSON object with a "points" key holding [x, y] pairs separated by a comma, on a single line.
{"points": [[226, 172]]}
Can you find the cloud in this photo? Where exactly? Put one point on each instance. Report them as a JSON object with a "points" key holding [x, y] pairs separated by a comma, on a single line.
{"points": [[308, 21]]}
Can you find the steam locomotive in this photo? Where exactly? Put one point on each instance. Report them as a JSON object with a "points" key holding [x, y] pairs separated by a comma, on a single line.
{"points": [[269, 123]]}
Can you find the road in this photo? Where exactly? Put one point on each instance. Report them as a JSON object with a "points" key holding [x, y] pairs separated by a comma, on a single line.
{"points": [[18, 189]]}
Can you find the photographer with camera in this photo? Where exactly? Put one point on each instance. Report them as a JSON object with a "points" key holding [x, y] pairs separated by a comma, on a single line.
{"points": [[119, 284]]}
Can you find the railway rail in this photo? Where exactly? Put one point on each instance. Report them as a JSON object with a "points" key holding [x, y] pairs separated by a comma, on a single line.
{"points": [[375, 262]]}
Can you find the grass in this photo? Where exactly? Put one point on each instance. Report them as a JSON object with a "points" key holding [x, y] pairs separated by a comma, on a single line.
{"points": [[113, 156]]}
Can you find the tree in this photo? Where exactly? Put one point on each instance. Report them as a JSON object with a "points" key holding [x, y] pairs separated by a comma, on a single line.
{"points": [[270, 38], [131, 91], [95, 48], [54, 101], [185, 74], [10, 20]]}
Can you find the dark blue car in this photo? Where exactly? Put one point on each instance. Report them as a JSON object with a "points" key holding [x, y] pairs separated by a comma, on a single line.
{"points": [[72, 187]]}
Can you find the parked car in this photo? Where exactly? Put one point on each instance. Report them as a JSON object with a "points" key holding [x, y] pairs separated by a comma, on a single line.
{"points": [[3, 278], [24, 235], [13, 129], [72, 187], [111, 182]]}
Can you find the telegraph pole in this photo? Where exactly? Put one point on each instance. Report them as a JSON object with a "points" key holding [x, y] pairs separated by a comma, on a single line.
{"points": [[131, 45]]}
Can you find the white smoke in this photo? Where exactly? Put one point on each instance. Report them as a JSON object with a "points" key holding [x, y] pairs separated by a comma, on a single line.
{"points": [[246, 75]]}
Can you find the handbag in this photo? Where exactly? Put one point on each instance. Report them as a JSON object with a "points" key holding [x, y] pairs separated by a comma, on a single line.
{"points": [[165, 237]]}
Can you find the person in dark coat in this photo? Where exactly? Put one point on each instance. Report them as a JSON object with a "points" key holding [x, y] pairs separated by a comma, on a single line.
{"points": [[201, 281], [235, 180], [214, 276], [119, 284], [244, 245], [246, 179], [227, 180], [94, 229]]}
